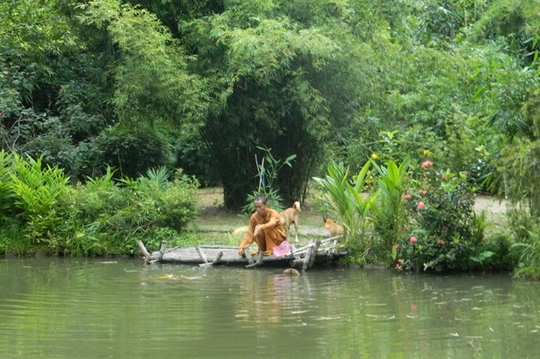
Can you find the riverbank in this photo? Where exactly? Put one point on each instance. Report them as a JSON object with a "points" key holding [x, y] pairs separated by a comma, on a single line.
{"points": [[214, 218]]}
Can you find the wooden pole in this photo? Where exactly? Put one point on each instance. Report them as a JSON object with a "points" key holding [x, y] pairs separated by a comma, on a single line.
{"points": [[313, 256], [310, 256], [162, 250], [143, 249], [215, 261], [218, 257], [248, 256], [201, 254], [258, 262]]}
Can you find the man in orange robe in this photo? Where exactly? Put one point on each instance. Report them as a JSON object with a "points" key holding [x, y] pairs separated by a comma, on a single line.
{"points": [[264, 228]]}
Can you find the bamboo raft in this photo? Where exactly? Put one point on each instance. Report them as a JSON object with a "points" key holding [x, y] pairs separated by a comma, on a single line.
{"points": [[315, 253]]}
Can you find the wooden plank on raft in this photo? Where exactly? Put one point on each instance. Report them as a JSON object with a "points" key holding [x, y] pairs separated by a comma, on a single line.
{"points": [[208, 246], [331, 239], [302, 250]]}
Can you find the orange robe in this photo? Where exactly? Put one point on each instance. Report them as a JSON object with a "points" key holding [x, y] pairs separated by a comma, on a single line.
{"points": [[270, 235]]}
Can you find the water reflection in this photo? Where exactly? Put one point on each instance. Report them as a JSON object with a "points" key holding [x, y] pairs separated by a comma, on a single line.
{"points": [[66, 308]]}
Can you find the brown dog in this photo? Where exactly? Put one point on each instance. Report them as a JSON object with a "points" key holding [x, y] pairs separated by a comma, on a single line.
{"points": [[332, 227], [290, 216]]}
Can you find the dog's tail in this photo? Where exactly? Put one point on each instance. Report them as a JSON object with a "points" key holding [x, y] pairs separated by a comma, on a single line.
{"points": [[296, 206], [240, 231]]}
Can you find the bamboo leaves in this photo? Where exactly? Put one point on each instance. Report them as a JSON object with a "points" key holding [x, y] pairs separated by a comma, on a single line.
{"points": [[152, 81]]}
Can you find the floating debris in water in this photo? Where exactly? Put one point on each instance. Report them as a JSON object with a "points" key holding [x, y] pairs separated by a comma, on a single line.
{"points": [[167, 276], [291, 271], [171, 276]]}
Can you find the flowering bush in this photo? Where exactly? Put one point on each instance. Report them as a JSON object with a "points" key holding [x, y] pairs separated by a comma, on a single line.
{"points": [[445, 232], [428, 253]]}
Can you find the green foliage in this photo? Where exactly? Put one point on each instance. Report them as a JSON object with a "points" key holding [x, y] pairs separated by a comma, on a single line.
{"points": [[193, 156], [99, 218], [390, 219], [526, 232], [110, 218], [514, 22], [11, 241], [7, 196], [522, 164], [445, 234], [267, 173], [274, 200], [151, 80], [342, 197], [33, 29], [52, 93], [133, 151], [267, 76], [269, 168], [38, 193]]}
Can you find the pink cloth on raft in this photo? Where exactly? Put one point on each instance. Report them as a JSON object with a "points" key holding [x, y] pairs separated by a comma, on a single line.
{"points": [[283, 249]]}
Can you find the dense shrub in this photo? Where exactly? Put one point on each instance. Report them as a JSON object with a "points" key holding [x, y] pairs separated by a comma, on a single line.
{"points": [[445, 233], [109, 217], [43, 213], [132, 151]]}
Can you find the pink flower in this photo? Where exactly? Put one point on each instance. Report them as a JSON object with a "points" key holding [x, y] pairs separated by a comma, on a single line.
{"points": [[427, 164], [400, 261], [406, 196], [422, 191], [396, 246], [412, 239], [444, 178], [420, 205], [62, 88], [442, 242], [5, 73]]}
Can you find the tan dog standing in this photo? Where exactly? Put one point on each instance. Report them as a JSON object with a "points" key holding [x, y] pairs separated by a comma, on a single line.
{"points": [[290, 216], [332, 227]]}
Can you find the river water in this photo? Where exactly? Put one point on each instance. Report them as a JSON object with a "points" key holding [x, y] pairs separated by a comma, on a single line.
{"points": [[122, 308]]}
